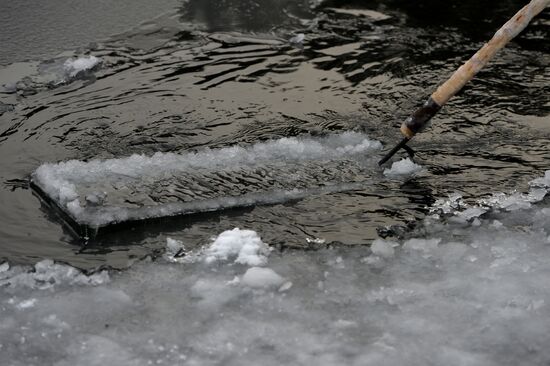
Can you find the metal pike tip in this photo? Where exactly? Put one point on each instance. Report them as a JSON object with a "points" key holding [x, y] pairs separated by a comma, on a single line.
{"points": [[400, 145]]}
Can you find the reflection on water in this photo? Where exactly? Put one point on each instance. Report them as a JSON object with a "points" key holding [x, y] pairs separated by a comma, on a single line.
{"points": [[477, 19], [246, 15], [169, 85]]}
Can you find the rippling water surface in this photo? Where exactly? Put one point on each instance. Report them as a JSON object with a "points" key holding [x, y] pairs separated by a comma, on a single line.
{"points": [[213, 74]]}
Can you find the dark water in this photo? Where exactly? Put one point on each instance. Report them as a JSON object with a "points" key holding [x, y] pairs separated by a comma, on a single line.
{"points": [[213, 74], [36, 30]]}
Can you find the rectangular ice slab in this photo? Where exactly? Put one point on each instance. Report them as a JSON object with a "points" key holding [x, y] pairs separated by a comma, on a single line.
{"points": [[99, 193]]}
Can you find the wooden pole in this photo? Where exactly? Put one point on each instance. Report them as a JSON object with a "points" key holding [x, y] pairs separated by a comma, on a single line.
{"points": [[418, 121]]}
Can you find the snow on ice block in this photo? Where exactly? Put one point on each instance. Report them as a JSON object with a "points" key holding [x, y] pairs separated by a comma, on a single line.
{"points": [[99, 193]]}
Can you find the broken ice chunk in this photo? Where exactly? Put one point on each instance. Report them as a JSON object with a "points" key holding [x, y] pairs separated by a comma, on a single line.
{"points": [[469, 214], [402, 169], [98, 193], [47, 274], [175, 250], [543, 182]]}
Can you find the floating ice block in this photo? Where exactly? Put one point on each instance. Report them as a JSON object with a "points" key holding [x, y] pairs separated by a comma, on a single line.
{"points": [[99, 193]]}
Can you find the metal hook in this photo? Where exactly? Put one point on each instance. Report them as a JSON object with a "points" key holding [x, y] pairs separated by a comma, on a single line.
{"points": [[401, 145]]}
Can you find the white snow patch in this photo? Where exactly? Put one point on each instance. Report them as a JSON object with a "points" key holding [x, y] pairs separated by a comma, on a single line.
{"points": [[245, 246], [259, 277], [402, 168]]}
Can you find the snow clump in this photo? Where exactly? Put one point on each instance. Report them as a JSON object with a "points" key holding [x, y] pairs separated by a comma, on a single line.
{"points": [[245, 246]]}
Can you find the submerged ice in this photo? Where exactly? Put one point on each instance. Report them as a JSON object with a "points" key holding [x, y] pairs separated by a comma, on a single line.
{"points": [[457, 291], [33, 76]]}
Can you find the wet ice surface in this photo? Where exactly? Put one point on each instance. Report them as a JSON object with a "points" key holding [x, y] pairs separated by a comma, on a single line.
{"points": [[31, 30], [101, 192], [455, 292]]}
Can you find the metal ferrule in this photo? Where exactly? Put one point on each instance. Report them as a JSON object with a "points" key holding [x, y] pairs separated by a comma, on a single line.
{"points": [[418, 121]]}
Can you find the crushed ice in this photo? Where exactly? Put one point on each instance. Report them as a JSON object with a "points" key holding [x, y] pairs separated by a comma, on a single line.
{"points": [[454, 293], [46, 274]]}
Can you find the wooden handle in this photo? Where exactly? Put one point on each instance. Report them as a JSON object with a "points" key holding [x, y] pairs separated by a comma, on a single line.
{"points": [[508, 31], [420, 118]]}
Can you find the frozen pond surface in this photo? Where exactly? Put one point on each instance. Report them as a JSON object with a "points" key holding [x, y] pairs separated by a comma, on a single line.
{"points": [[466, 288]]}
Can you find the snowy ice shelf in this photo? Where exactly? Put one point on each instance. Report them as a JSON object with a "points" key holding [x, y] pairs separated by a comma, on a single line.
{"points": [[96, 194]]}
